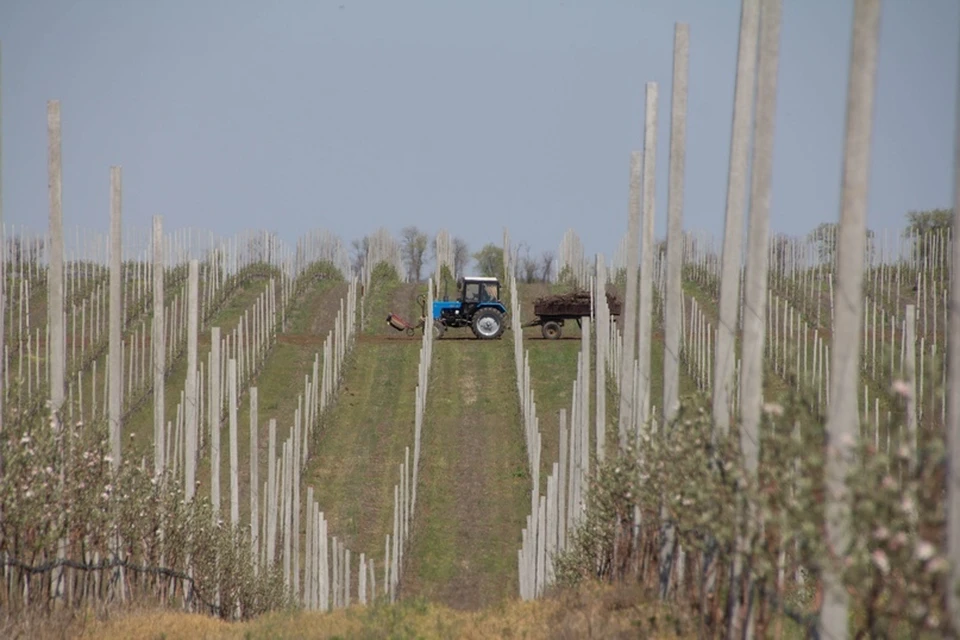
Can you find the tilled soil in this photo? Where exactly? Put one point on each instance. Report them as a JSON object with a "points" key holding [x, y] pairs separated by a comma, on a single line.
{"points": [[474, 486]]}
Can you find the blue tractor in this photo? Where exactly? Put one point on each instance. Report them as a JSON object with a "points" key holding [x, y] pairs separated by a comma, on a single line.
{"points": [[478, 306]]}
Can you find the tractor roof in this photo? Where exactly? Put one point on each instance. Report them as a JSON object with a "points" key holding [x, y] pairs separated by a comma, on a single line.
{"points": [[481, 279]]}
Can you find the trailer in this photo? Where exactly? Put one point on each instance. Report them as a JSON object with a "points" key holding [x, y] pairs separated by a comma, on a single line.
{"points": [[553, 311]]}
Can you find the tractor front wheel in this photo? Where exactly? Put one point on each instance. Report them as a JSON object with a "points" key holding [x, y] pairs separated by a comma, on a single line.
{"points": [[438, 329], [488, 324]]}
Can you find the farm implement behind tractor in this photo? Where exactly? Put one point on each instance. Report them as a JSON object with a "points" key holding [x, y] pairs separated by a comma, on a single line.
{"points": [[400, 324]]}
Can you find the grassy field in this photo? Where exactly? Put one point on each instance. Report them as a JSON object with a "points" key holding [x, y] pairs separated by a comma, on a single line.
{"points": [[473, 481], [280, 382], [356, 458], [553, 368], [361, 443], [474, 484], [391, 296], [139, 424], [593, 612]]}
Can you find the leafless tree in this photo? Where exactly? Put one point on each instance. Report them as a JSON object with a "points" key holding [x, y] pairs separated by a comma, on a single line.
{"points": [[414, 248], [461, 255], [260, 245], [25, 250], [528, 269], [360, 248], [546, 265], [781, 245]]}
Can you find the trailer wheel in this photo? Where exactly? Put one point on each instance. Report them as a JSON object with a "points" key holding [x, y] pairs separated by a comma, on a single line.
{"points": [[551, 330]]}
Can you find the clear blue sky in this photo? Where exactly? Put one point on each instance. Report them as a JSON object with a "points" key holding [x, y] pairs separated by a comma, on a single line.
{"points": [[351, 114]]}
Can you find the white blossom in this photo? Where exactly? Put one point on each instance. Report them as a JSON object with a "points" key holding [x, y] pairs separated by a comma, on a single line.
{"points": [[881, 561], [924, 551], [901, 388]]}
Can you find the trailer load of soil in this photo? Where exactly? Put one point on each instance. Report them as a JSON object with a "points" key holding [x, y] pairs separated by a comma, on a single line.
{"points": [[572, 305]]}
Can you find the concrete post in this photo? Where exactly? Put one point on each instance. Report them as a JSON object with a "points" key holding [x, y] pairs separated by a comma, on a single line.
{"points": [[584, 406], [2, 297], [190, 391], [562, 484], [57, 364], [645, 311], [723, 375], [254, 476], [756, 277], [287, 524], [953, 395], [159, 348], [56, 355], [215, 405], [4, 356], [234, 453], [271, 513], [362, 579], [541, 550], [324, 565], [628, 330], [115, 369], [842, 425], [755, 295], [673, 294], [910, 374], [602, 315], [674, 285]]}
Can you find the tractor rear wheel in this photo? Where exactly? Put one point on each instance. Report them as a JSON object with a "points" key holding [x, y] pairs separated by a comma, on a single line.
{"points": [[438, 329], [488, 324], [551, 330]]}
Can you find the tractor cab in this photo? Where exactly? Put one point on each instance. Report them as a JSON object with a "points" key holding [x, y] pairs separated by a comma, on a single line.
{"points": [[476, 291], [477, 306]]}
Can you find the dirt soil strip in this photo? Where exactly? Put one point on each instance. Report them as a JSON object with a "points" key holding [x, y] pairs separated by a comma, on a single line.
{"points": [[474, 486]]}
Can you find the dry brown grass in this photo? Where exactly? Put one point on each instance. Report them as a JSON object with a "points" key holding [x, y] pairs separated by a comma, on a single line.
{"points": [[591, 612]]}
